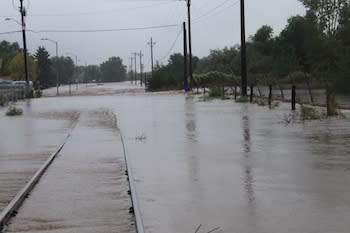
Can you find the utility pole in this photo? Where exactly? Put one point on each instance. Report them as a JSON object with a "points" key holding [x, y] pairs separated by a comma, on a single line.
{"points": [[151, 44], [131, 69], [23, 14], [244, 81], [185, 58], [141, 55], [135, 54], [190, 41]]}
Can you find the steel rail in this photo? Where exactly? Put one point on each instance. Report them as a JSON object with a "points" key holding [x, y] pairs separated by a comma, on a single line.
{"points": [[16, 202], [134, 197]]}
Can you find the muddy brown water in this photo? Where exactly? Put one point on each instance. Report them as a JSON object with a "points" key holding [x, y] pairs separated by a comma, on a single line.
{"points": [[228, 166]]}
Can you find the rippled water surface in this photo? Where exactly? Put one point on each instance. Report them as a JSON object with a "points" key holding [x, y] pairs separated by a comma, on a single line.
{"points": [[237, 168]]}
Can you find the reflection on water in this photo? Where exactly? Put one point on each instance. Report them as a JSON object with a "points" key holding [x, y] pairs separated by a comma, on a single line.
{"points": [[190, 112], [248, 173]]}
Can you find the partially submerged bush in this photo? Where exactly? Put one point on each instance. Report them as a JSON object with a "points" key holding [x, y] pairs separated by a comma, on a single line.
{"points": [[13, 111], [309, 113], [215, 92], [242, 99]]}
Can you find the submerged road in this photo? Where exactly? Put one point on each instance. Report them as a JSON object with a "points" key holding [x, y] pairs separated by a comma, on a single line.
{"points": [[85, 189], [224, 166]]}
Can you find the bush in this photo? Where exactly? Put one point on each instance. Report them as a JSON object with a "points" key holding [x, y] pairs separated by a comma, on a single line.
{"points": [[215, 92], [215, 78], [309, 113], [13, 111]]}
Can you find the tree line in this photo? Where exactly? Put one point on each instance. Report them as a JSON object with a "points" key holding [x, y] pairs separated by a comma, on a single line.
{"points": [[44, 69], [314, 47]]}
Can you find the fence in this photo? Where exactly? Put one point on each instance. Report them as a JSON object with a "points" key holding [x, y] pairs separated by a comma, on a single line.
{"points": [[303, 94], [11, 92]]}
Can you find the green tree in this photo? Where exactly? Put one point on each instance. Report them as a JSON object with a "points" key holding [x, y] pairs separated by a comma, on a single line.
{"points": [[113, 70], [45, 74], [263, 40], [65, 68], [327, 13], [92, 72], [16, 67], [7, 52]]}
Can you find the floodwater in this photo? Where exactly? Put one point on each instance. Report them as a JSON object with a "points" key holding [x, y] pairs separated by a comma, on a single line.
{"points": [[26, 142], [227, 166], [85, 189]]}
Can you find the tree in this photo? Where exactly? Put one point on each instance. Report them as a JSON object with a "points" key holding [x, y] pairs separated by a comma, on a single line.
{"points": [[113, 70], [327, 13], [7, 52], [65, 67], [224, 60], [92, 72], [16, 67], [45, 74], [263, 40]]}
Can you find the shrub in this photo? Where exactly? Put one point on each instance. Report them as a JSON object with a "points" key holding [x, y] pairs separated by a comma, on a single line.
{"points": [[13, 111]]}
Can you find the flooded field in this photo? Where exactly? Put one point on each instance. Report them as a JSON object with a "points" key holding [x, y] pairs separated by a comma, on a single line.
{"points": [[227, 166]]}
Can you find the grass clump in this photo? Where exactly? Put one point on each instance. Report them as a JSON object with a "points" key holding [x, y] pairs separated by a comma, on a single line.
{"points": [[13, 111], [309, 113], [242, 99], [215, 92]]}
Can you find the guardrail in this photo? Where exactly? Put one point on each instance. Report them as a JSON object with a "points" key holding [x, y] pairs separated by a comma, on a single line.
{"points": [[11, 92]]}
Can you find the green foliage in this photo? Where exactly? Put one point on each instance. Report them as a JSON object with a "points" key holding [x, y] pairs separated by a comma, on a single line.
{"points": [[65, 68], [113, 70], [215, 78], [92, 72], [13, 111], [7, 52], [309, 113], [226, 60], [215, 92], [168, 77], [16, 67], [46, 77]]}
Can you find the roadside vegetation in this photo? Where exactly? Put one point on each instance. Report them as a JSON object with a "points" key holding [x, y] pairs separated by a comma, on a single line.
{"points": [[312, 50], [14, 111]]}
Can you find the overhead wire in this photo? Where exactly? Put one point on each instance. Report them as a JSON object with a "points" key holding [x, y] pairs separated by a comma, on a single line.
{"points": [[10, 32], [104, 30], [172, 46], [211, 10]]}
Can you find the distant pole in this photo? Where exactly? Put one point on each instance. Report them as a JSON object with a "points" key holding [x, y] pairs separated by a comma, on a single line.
{"points": [[185, 57], [131, 70], [23, 14], [141, 55], [243, 53], [135, 54], [190, 41], [57, 72], [151, 44]]}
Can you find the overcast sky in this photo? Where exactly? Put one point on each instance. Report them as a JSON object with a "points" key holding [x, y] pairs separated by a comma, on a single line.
{"points": [[215, 25]]}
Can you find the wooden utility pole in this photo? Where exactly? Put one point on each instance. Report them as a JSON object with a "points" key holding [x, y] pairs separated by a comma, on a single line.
{"points": [[23, 14], [185, 58], [141, 55], [244, 81], [151, 44], [190, 41], [131, 70], [135, 54]]}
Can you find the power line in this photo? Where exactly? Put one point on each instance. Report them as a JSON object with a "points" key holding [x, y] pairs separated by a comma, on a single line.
{"points": [[172, 46], [106, 30], [11, 32], [100, 12], [214, 9]]}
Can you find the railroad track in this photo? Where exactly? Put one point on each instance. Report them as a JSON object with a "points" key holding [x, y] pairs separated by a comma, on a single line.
{"points": [[135, 209], [12, 208]]}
